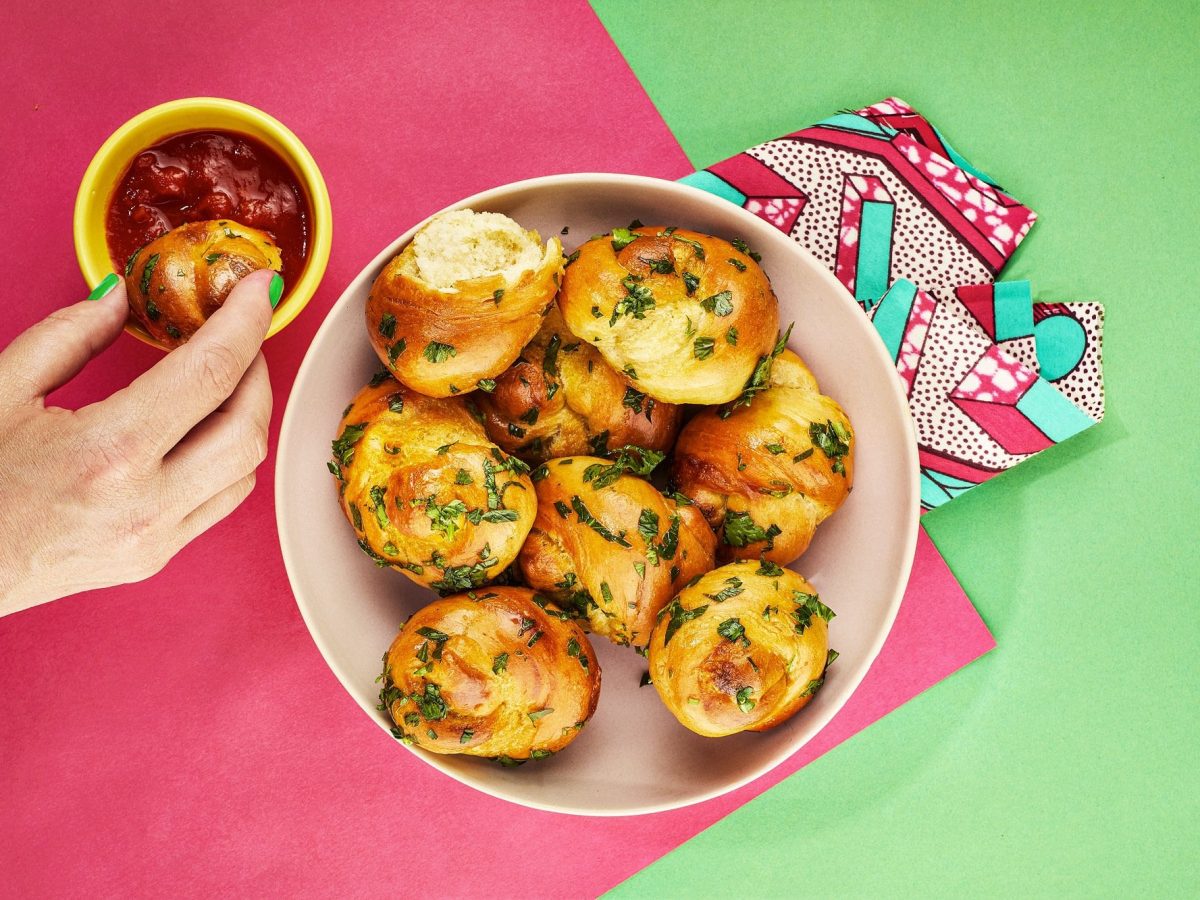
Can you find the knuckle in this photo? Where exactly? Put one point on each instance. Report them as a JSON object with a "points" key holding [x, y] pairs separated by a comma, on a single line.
{"points": [[218, 367], [111, 457]]}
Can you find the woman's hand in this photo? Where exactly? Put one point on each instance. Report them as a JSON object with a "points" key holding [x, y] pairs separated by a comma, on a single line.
{"points": [[109, 493]]}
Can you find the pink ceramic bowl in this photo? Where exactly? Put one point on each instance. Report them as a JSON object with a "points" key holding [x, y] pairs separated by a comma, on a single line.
{"points": [[633, 757]]}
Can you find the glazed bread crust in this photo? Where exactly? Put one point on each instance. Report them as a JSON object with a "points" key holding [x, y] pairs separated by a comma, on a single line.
{"points": [[744, 648], [181, 278], [494, 672], [443, 339], [615, 553], [560, 398], [425, 490], [769, 473], [686, 315]]}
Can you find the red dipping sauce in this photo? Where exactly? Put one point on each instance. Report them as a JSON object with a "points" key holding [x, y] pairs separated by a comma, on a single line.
{"points": [[204, 175]]}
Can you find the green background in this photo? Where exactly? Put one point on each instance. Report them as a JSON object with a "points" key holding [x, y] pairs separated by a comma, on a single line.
{"points": [[1065, 761]]}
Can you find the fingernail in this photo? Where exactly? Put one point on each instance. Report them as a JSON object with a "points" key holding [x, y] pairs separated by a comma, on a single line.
{"points": [[275, 291], [104, 287]]}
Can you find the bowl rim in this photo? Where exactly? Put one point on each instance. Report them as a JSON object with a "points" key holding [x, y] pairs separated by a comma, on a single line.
{"points": [[908, 541], [109, 163]]}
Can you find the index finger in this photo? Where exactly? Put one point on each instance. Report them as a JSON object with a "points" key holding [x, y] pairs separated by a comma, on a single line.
{"points": [[193, 380]]}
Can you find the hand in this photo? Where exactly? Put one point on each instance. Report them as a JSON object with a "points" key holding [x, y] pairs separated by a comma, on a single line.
{"points": [[109, 493]]}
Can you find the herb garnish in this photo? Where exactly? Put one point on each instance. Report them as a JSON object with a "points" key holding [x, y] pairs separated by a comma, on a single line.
{"points": [[343, 446], [629, 459], [147, 271], [586, 518], [691, 282], [742, 247], [733, 630], [760, 378], [431, 704], [500, 663], [807, 606], [702, 347], [745, 704], [734, 588], [622, 238], [833, 440], [387, 326], [741, 530], [719, 304], [486, 384], [636, 302], [436, 351], [679, 616], [378, 507]]}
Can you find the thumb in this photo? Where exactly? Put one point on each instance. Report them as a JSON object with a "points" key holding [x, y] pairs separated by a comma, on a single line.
{"points": [[52, 352]]}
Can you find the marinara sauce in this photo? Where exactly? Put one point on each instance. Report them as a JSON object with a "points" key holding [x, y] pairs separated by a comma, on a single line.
{"points": [[203, 175]]}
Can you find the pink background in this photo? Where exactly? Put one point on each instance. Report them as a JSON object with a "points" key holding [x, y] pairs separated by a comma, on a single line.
{"points": [[184, 734]]}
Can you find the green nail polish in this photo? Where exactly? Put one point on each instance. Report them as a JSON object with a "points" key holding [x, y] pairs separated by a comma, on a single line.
{"points": [[104, 287], [276, 289]]}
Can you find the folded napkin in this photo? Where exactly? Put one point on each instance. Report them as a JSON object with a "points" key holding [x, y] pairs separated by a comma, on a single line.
{"points": [[918, 236]]}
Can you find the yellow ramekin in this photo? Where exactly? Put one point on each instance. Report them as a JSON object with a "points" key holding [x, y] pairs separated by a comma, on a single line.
{"points": [[199, 114]]}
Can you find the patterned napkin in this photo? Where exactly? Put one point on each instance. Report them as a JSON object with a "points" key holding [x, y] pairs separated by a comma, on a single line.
{"points": [[918, 236]]}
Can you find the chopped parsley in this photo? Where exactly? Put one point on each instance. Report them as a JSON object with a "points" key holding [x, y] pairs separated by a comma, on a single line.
{"points": [[378, 506], [550, 357], [387, 326], [702, 347], [719, 304], [760, 378], [432, 706], [586, 518], [691, 282], [745, 704], [833, 440], [740, 530], [678, 617], [147, 272], [636, 302], [768, 569], [343, 446], [500, 664], [436, 351], [396, 349], [445, 518], [734, 587], [737, 264], [486, 384], [742, 247], [733, 630], [622, 238], [629, 459], [807, 606]]}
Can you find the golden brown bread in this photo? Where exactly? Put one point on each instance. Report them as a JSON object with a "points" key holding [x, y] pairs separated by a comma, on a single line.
{"points": [[494, 672], [442, 339], [770, 472], [606, 544], [181, 278], [426, 491], [741, 649], [686, 315], [560, 398]]}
